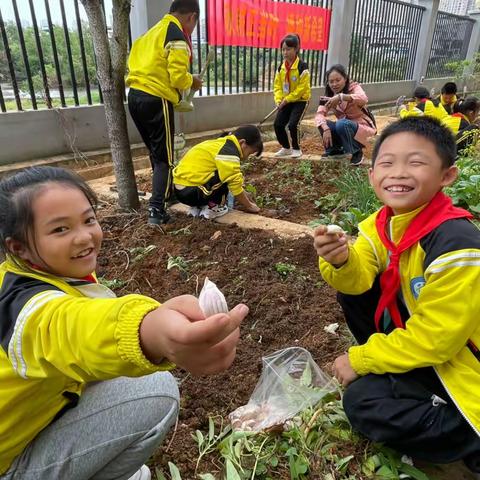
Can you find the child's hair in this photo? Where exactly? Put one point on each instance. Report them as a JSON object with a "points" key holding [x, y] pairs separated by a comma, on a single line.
{"points": [[291, 40], [421, 92], [450, 88], [465, 105], [252, 136], [18, 192], [343, 72], [430, 129], [184, 7]]}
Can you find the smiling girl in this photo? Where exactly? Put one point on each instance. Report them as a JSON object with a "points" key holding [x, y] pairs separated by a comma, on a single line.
{"points": [[65, 339]]}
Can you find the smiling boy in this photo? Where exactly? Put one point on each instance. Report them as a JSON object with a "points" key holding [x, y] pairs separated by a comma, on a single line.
{"points": [[408, 289]]}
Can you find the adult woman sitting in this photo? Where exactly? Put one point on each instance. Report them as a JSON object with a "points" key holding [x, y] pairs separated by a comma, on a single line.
{"points": [[355, 124]]}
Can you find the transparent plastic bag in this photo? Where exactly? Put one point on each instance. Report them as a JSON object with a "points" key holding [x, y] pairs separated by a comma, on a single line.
{"points": [[291, 381]]}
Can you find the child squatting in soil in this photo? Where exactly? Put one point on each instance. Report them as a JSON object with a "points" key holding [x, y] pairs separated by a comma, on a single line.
{"points": [[408, 287], [291, 91], [211, 169], [84, 385]]}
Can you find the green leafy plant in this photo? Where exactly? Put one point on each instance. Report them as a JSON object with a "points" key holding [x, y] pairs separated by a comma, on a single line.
{"points": [[284, 269], [177, 262], [465, 192], [113, 283], [305, 169], [139, 253]]}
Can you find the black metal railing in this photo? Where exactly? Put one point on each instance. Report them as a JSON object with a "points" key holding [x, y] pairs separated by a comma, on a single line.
{"points": [[250, 69], [46, 63], [384, 41], [450, 44]]}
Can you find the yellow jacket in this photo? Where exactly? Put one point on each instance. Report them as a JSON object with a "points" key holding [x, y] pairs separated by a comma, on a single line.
{"points": [[56, 335], [466, 133], [427, 108], [448, 106], [200, 163], [440, 276], [159, 61], [298, 89]]}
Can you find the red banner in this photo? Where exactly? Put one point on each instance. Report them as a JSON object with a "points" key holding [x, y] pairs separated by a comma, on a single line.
{"points": [[263, 23]]}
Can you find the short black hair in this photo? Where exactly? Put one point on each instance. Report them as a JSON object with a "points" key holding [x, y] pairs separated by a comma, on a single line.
{"points": [[465, 105], [427, 127], [252, 136], [421, 92], [450, 88], [185, 6]]}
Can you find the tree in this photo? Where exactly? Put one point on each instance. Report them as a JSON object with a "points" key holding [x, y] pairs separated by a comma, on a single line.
{"points": [[111, 64]]}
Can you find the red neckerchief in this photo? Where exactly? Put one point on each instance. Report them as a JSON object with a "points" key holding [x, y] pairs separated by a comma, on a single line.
{"points": [[439, 210], [460, 115], [423, 100], [89, 278], [188, 39], [288, 67]]}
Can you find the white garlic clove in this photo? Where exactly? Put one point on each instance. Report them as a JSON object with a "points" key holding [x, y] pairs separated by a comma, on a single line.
{"points": [[334, 230], [211, 299]]}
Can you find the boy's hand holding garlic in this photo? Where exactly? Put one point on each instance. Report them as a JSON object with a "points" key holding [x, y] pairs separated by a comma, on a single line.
{"points": [[331, 244], [200, 337]]}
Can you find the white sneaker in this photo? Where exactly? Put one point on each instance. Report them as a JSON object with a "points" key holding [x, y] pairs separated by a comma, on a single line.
{"points": [[284, 152], [296, 153], [142, 474], [213, 212], [194, 211]]}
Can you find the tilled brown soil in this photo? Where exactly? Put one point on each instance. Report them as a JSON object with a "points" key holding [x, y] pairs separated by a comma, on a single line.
{"points": [[284, 310]]}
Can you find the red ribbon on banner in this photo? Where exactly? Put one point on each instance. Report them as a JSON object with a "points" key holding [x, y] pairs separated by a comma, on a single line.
{"points": [[263, 23]]}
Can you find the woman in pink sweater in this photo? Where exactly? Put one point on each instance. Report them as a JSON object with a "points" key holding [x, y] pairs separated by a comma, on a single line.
{"points": [[355, 124]]}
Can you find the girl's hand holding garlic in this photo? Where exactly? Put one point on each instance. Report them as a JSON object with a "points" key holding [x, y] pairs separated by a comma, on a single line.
{"points": [[331, 244], [200, 337]]}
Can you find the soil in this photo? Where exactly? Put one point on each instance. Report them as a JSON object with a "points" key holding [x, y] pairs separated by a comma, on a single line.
{"points": [[285, 311]]}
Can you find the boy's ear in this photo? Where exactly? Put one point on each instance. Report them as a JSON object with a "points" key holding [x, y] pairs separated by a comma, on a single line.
{"points": [[16, 247], [449, 175], [370, 175]]}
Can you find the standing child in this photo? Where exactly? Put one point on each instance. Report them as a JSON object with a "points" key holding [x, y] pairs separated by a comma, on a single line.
{"points": [[465, 112], [211, 169], [291, 92], [409, 291], [84, 388]]}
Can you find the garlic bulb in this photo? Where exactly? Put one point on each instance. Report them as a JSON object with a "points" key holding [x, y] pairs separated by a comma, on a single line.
{"points": [[211, 299]]}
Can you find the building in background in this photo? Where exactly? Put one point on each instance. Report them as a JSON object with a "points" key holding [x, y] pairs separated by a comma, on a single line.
{"points": [[459, 7]]}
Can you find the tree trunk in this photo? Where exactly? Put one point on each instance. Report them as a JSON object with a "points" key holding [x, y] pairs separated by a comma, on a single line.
{"points": [[111, 62]]}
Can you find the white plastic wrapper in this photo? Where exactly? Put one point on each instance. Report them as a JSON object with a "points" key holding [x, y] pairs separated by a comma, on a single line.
{"points": [[211, 299], [290, 382]]}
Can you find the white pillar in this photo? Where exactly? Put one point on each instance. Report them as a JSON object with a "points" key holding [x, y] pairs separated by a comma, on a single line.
{"points": [[474, 45], [425, 39], [145, 14], [341, 31]]}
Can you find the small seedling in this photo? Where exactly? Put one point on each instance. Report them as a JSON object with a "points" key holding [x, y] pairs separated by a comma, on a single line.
{"points": [[141, 252], [177, 262], [113, 284], [284, 269]]}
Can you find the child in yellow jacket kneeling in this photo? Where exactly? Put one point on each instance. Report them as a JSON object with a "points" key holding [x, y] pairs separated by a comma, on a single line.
{"points": [[211, 169], [84, 385], [409, 291]]}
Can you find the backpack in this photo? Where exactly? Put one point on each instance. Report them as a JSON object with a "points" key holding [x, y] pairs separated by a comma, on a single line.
{"points": [[371, 117]]}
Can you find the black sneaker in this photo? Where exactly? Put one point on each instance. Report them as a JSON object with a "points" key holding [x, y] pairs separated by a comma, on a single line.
{"points": [[157, 217], [357, 159]]}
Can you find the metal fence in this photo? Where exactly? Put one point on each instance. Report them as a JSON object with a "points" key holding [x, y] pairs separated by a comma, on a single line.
{"points": [[251, 69], [384, 41], [51, 62], [450, 43]]}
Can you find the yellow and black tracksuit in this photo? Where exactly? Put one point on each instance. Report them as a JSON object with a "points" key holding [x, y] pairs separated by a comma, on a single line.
{"points": [[466, 133], [208, 171], [158, 72], [448, 106], [425, 107], [56, 335], [419, 387], [292, 84]]}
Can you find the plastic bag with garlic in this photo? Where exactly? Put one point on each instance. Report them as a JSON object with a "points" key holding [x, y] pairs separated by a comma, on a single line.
{"points": [[211, 299], [291, 381]]}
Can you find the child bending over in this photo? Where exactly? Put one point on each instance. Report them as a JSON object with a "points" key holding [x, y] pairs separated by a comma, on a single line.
{"points": [[448, 96], [291, 90], [210, 169], [423, 105], [409, 291], [85, 391]]}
